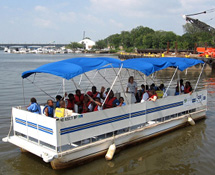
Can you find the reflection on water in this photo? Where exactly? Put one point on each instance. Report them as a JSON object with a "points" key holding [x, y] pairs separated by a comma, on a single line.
{"points": [[188, 150]]}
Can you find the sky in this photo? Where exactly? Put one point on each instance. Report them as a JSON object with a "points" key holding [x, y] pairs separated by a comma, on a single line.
{"points": [[64, 21]]}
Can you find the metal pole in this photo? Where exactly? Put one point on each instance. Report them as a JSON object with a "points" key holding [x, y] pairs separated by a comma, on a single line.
{"points": [[179, 83], [199, 78], [64, 88], [170, 82], [112, 85], [120, 80]]}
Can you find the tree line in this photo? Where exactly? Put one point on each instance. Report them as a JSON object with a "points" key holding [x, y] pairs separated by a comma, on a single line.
{"points": [[146, 38]]}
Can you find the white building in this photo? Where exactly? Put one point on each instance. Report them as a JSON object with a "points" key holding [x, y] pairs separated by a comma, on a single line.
{"points": [[88, 43]]}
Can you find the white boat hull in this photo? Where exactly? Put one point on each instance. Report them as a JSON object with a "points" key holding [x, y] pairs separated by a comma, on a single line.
{"points": [[62, 142], [89, 152]]}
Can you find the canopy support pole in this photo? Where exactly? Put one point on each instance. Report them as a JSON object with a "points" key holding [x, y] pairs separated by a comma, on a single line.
{"points": [[199, 78], [120, 80], [59, 89], [40, 89], [112, 85], [89, 80], [64, 91], [179, 83], [79, 87], [23, 91], [80, 80], [165, 93], [141, 76], [104, 78], [74, 83]]}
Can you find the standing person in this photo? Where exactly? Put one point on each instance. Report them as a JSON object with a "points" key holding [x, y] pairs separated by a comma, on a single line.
{"points": [[34, 106], [79, 98], [132, 88], [48, 109]]}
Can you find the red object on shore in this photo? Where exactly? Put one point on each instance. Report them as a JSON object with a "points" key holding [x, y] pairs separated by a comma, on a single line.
{"points": [[210, 51]]}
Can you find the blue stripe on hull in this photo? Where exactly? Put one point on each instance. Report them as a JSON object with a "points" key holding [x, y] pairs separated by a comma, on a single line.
{"points": [[34, 126], [117, 118]]}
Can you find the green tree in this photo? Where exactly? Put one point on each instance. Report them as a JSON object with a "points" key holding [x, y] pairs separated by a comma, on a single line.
{"points": [[75, 45]]}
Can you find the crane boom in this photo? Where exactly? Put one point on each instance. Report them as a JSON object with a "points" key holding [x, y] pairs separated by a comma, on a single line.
{"points": [[201, 25]]}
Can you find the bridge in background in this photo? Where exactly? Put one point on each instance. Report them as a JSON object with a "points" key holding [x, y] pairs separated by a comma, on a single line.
{"points": [[28, 45]]}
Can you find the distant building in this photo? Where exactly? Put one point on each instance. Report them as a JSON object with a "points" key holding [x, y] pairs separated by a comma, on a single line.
{"points": [[87, 43]]}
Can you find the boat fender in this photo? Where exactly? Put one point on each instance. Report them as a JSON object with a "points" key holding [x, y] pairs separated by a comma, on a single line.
{"points": [[110, 152], [5, 139], [191, 121], [47, 158]]}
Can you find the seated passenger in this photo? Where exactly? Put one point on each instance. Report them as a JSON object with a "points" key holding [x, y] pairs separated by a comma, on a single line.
{"points": [[121, 102], [98, 104], [110, 101], [142, 90], [102, 93], [152, 95], [188, 88], [86, 105], [95, 93], [70, 103], [48, 109], [181, 87], [160, 91], [58, 98], [62, 112], [34, 106], [145, 97], [79, 98], [152, 86]]}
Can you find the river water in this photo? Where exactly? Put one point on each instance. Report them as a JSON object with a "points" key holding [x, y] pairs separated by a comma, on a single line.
{"points": [[189, 150]]}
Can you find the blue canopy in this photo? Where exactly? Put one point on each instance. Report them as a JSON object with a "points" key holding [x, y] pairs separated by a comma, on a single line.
{"points": [[75, 66]]}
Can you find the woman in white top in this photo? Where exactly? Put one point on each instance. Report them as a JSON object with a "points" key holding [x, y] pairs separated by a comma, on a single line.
{"points": [[132, 88]]}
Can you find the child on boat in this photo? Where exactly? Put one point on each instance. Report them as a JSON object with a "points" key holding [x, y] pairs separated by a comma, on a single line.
{"points": [[121, 102]]}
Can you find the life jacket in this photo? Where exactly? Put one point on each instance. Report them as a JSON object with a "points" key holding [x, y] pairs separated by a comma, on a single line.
{"points": [[109, 103], [155, 95], [84, 107], [70, 105], [95, 95], [187, 89], [159, 94], [50, 110], [79, 98], [59, 112], [35, 108], [96, 108]]}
